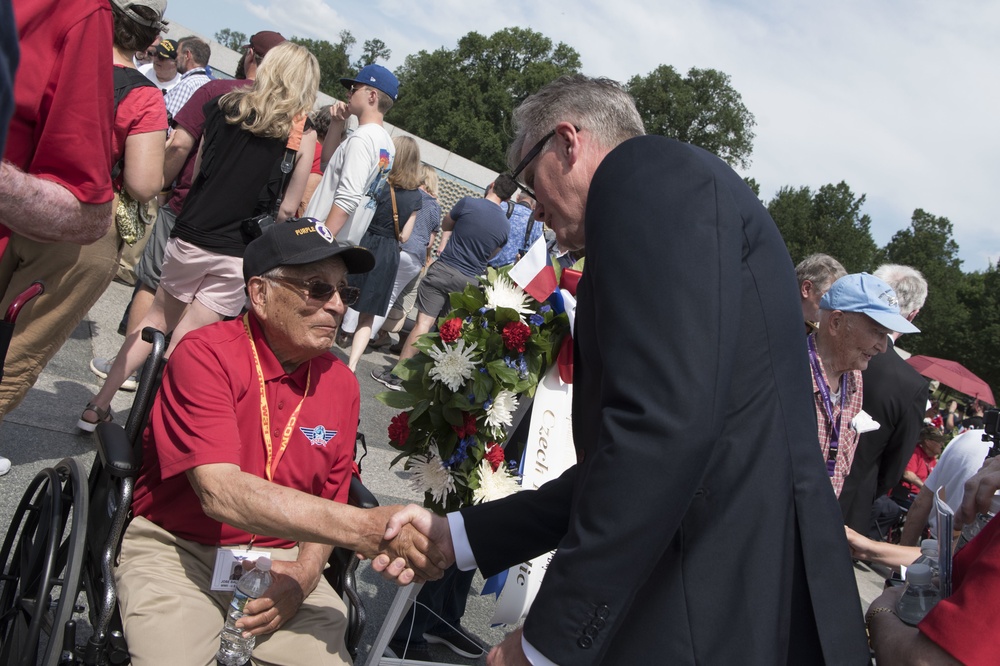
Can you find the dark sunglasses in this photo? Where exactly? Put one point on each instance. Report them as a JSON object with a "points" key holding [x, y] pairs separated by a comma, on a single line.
{"points": [[317, 290], [532, 154]]}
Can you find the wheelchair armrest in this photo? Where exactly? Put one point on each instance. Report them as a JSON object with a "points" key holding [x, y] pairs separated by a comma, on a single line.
{"points": [[360, 496], [115, 450]]}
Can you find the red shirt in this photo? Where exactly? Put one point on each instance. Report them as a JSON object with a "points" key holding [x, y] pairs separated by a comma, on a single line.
{"points": [[208, 411], [965, 624], [140, 112], [192, 118], [920, 464], [64, 96]]}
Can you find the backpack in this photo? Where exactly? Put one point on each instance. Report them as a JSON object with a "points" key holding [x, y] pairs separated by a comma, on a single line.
{"points": [[131, 217], [126, 80]]}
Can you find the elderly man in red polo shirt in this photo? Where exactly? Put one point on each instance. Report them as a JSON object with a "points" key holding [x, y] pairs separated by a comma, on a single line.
{"points": [[250, 438]]}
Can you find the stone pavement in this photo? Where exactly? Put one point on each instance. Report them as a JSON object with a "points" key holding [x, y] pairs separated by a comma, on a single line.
{"points": [[42, 431]]}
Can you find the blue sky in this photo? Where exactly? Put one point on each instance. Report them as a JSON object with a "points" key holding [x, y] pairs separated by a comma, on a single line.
{"points": [[897, 98]]}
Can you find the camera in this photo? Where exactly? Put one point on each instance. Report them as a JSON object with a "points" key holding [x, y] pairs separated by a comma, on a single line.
{"points": [[991, 421], [254, 227]]}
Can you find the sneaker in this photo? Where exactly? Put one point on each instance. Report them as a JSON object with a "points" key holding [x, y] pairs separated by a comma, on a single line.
{"points": [[458, 641], [415, 651], [381, 340], [4, 465], [102, 366], [391, 381]]}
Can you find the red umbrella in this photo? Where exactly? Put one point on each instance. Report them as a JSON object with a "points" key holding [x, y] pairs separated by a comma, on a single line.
{"points": [[954, 375]]}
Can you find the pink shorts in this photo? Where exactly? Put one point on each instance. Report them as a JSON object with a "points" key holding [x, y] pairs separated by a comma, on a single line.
{"points": [[216, 280]]}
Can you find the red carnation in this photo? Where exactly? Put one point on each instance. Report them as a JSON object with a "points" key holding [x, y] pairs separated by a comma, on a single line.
{"points": [[515, 334], [468, 427], [494, 454], [399, 428], [451, 330]]}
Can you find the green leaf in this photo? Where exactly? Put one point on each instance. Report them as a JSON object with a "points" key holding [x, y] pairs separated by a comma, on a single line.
{"points": [[397, 399]]}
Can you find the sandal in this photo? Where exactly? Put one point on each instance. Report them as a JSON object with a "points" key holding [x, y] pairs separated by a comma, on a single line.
{"points": [[103, 416]]}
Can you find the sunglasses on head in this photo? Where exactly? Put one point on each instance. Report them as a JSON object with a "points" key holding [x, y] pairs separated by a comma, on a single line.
{"points": [[317, 290]]}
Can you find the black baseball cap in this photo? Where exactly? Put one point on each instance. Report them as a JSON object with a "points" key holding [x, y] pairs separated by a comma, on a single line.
{"points": [[301, 241]]}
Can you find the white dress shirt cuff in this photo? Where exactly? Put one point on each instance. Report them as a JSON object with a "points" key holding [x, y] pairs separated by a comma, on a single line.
{"points": [[535, 657], [464, 558]]}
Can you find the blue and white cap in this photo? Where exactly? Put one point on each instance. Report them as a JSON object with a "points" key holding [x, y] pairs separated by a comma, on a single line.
{"points": [[378, 77], [864, 293]]}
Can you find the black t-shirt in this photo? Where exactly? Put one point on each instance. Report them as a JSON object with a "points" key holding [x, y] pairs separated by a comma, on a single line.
{"points": [[239, 178]]}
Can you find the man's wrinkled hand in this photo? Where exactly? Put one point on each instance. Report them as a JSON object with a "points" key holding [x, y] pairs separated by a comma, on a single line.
{"points": [[290, 585], [407, 555], [410, 519], [509, 652]]}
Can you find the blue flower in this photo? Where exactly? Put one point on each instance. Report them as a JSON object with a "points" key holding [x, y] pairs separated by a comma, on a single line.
{"points": [[488, 403], [482, 310], [460, 452], [472, 398], [483, 370], [536, 320], [545, 308]]}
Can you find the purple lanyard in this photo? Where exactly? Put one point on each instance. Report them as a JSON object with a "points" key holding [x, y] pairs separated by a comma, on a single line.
{"points": [[824, 393]]}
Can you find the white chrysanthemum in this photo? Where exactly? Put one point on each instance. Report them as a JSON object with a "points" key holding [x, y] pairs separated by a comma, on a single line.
{"points": [[505, 294], [430, 475], [453, 366], [494, 485], [501, 412]]}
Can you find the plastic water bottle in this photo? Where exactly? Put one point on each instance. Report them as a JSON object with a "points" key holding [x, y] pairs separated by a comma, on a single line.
{"points": [[234, 650], [928, 555], [919, 596]]}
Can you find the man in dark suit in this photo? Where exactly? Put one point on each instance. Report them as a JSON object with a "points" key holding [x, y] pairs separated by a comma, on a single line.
{"points": [[699, 525], [895, 395]]}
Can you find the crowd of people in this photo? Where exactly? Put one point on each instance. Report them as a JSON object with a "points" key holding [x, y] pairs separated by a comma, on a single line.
{"points": [[281, 230]]}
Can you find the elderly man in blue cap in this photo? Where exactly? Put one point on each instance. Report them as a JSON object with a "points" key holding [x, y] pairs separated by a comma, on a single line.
{"points": [[856, 316]]}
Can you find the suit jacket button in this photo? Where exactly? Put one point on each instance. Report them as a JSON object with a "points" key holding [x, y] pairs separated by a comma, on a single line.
{"points": [[585, 642], [603, 611], [590, 631]]}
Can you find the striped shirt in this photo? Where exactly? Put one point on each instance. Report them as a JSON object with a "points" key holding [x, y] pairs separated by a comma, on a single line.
{"points": [[848, 434]]}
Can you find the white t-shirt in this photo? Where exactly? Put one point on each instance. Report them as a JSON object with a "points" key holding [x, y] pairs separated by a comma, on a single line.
{"points": [[150, 74], [358, 169], [961, 459]]}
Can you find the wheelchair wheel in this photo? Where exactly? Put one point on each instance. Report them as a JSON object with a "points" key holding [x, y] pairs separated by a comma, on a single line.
{"points": [[42, 553]]}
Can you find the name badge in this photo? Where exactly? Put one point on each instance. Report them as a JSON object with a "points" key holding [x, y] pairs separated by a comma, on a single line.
{"points": [[229, 567]]}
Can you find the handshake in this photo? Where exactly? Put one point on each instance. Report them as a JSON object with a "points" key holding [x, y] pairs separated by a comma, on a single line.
{"points": [[407, 544]]}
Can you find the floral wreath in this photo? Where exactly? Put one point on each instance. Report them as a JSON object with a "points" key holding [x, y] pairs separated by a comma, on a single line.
{"points": [[462, 388]]}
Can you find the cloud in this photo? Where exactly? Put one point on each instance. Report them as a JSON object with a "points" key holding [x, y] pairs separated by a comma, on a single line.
{"points": [[897, 98]]}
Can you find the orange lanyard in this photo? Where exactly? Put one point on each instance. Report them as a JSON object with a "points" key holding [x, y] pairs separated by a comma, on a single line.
{"points": [[265, 414]]}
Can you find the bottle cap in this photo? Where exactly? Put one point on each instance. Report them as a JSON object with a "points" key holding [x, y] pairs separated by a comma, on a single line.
{"points": [[918, 574], [263, 563]]}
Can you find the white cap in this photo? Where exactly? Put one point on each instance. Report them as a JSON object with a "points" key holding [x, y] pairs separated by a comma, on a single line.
{"points": [[263, 563]]}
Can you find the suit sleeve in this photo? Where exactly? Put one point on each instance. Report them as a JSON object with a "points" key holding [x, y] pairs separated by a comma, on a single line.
{"points": [[663, 273], [902, 441]]}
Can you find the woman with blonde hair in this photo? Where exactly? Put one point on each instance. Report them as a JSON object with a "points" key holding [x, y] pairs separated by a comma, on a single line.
{"points": [[391, 225], [239, 176]]}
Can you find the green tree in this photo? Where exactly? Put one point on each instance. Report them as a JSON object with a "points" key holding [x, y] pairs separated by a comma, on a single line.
{"points": [[462, 99], [701, 108], [374, 50], [334, 61], [829, 221], [231, 39], [928, 246], [978, 341]]}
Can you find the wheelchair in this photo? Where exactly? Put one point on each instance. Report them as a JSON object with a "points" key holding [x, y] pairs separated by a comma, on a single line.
{"points": [[65, 537]]}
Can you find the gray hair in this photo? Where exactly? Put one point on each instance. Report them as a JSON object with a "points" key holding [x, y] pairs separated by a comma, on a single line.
{"points": [[820, 269], [598, 105], [908, 283]]}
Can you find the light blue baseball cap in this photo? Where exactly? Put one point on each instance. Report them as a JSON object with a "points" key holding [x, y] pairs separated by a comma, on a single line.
{"points": [[864, 293]]}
